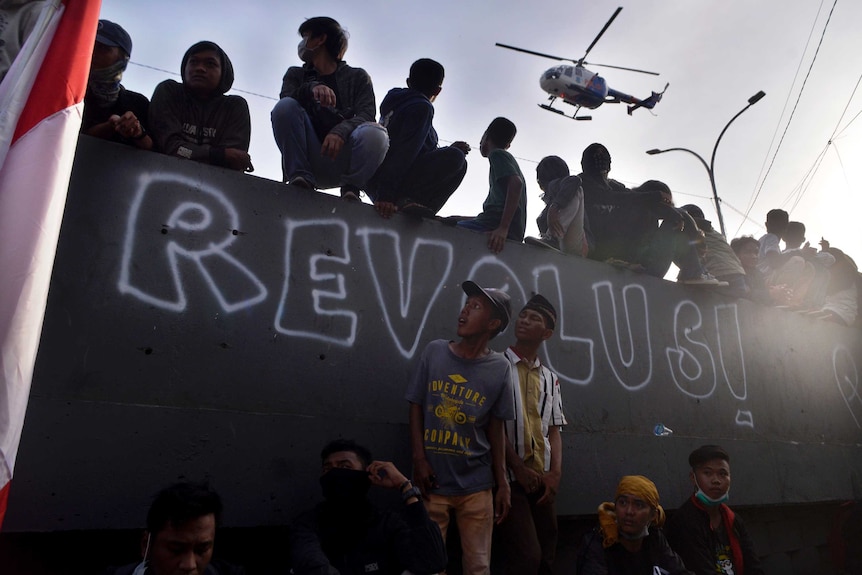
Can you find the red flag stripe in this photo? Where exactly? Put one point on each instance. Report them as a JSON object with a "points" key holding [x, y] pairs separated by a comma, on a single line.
{"points": [[62, 79]]}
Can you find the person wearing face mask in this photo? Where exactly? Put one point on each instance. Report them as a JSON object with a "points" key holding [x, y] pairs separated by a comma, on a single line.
{"points": [[112, 112], [324, 122], [629, 540], [347, 534], [708, 535]]}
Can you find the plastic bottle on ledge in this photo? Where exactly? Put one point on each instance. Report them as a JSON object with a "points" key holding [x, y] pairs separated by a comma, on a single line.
{"points": [[661, 431]]}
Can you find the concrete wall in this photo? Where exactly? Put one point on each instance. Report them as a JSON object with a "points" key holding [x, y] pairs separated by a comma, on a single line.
{"points": [[208, 324]]}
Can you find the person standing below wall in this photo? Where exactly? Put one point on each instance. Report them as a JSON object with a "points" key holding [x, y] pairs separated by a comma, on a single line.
{"points": [[460, 397], [534, 451]]}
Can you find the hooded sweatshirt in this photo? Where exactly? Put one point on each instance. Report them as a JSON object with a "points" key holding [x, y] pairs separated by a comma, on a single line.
{"points": [[200, 129], [407, 115]]}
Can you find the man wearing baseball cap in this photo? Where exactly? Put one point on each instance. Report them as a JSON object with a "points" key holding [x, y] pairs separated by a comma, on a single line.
{"points": [[533, 446], [460, 397], [110, 111]]}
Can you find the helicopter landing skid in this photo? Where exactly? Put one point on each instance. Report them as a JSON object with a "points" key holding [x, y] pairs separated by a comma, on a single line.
{"points": [[560, 112]]}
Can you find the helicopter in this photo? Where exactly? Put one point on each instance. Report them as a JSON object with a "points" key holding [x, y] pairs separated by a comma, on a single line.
{"points": [[577, 86]]}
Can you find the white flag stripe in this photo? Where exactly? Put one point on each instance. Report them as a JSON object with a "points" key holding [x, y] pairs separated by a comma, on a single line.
{"points": [[30, 224], [16, 85]]}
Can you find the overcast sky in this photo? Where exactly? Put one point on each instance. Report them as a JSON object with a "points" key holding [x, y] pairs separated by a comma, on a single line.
{"points": [[714, 53]]}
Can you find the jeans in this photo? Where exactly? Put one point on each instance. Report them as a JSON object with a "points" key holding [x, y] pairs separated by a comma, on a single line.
{"points": [[300, 149], [474, 514], [574, 238]]}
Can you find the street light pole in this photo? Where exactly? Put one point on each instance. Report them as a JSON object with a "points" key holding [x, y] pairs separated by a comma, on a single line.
{"points": [[710, 168]]}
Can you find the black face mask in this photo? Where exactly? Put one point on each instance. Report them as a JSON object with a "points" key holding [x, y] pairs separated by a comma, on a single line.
{"points": [[344, 485]]}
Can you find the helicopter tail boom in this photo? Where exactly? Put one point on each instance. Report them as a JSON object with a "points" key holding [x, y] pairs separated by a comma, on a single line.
{"points": [[649, 103]]}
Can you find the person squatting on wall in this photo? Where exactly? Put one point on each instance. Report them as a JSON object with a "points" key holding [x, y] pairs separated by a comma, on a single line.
{"points": [[324, 122], [110, 111], [417, 175], [504, 212]]}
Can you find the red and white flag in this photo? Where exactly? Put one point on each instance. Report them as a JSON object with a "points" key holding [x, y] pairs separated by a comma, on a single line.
{"points": [[40, 114]]}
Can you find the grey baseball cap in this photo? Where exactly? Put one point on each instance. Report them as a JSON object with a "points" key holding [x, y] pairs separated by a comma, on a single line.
{"points": [[499, 299]]}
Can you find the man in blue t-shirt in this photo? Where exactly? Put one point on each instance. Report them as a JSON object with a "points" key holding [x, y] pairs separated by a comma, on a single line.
{"points": [[460, 398], [504, 213]]}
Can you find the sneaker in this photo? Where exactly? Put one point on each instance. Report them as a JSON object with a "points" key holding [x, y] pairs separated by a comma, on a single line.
{"points": [[350, 193], [542, 243], [416, 209], [703, 280], [301, 182], [627, 265]]}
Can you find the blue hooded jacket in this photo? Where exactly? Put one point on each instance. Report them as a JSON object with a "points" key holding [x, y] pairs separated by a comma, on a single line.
{"points": [[407, 114]]}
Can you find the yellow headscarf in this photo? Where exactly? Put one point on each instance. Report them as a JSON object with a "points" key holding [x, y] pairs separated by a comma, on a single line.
{"points": [[636, 485]]}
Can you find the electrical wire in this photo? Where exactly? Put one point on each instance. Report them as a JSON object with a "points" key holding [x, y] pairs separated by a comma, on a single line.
{"points": [[793, 111]]}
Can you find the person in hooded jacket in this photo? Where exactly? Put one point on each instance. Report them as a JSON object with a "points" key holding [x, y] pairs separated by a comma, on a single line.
{"points": [[195, 120], [416, 174], [347, 534]]}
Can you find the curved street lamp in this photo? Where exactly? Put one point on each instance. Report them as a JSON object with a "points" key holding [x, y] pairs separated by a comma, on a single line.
{"points": [[710, 168]]}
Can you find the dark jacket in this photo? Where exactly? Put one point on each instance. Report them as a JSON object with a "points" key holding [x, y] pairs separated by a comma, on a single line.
{"points": [[593, 559], [354, 93], [689, 532], [329, 538], [185, 126], [127, 101], [407, 115], [614, 212]]}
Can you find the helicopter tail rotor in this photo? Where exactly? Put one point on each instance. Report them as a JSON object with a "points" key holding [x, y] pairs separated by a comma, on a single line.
{"points": [[648, 103]]}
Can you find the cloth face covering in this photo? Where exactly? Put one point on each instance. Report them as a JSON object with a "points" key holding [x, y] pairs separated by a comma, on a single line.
{"points": [[104, 85], [344, 485]]}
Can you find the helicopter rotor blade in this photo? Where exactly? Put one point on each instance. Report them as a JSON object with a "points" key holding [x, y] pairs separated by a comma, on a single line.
{"points": [[621, 68], [524, 50], [603, 30]]}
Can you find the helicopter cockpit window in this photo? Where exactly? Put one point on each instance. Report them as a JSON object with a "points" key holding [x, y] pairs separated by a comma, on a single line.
{"points": [[552, 74], [568, 71]]}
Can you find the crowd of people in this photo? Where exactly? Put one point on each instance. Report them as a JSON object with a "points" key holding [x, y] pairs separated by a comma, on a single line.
{"points": [[484, 431], [325, 124]]}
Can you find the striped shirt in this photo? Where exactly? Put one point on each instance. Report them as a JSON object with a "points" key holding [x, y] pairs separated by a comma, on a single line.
{"points": [[548, 408]]}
